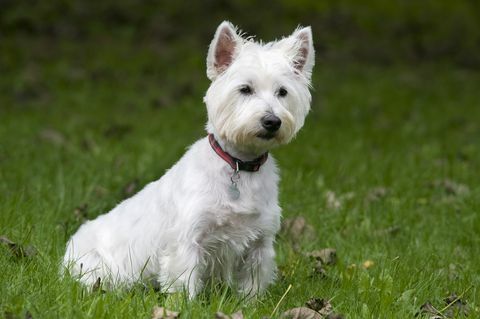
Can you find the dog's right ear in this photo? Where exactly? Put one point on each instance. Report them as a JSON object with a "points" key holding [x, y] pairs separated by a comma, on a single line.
{"points": [[223, 49]]}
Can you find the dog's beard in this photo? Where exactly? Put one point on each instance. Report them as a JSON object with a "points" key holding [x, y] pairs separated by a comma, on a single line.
{"points": [[242, 127]]}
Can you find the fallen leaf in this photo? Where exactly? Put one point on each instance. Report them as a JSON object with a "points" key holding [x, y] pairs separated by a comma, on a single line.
{"points": [[428, 309], [52, 136], [320, 305], [162, 313], [131, 188], [117, 131], [318, 269], [81, 212], [450, 187], [236, 315], [392, 230], [456, 306], [333, 201], [301, 313], [9, 315], [296, 228], [97, 286], [376, 194], [368, 264], [327, 256], [18, 250], [161, 102]]}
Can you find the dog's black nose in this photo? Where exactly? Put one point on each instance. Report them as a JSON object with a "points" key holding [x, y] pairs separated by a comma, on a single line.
{"points": [[271, 123]]}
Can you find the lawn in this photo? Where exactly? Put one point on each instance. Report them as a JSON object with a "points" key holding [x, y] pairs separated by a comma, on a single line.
{"points": [[386, 171]]}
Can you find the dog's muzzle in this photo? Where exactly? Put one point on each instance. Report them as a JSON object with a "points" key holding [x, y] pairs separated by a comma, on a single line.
{"points": [[271, 124]]}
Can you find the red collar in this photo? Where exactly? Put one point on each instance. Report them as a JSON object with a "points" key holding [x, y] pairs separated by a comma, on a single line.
{"points": [[235, 163]]}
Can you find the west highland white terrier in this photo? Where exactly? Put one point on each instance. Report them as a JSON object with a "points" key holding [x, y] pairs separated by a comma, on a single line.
{"points": [[215, 213]]}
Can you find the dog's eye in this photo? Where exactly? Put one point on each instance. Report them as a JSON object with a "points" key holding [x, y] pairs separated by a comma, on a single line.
{"points": [[282, 92], [247, 90]]}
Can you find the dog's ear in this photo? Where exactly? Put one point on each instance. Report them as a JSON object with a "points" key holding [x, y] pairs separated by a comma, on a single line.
{"points": [[299, 48], [223, 49]]}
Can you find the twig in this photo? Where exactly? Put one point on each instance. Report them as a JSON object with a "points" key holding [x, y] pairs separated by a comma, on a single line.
{"points": [[456, 299], [280, 301]]}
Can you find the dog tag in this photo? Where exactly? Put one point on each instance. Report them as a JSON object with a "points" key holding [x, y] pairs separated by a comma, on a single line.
{"points": [[233, 192]]}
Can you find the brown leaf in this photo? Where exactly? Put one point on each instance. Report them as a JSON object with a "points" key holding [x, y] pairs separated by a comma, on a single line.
{"points": [[367, 264], [320, 305], [131, 188], [18, 250], [97, 286], [450, 187], [236, 315], [327, 256], [333, 202], [301, 313], [456, 306], [376, 194], [81, 212], [161, 102], [334, 316], [9, 315], [52, 136], [162, 313], [117, 131], [296, 228], [319, 270], [392, 230], [428, 309]]}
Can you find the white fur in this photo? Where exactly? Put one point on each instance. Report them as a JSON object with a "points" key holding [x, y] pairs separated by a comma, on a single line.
{"points": [[184, 228]]}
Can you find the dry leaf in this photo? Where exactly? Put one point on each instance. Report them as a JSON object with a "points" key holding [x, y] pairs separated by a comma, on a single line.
{"points": [[301, 313], [333, 201], [162, 313], [320, 305], [117, 131], [52, 136], [130, 188], [428, 309], [392, 230], [327, 256], [297, 228], [236, 315], [97, 286], [456, 306], [368, 264], [18, 250], [377, 193], [81, 212], [450, 187], [318, 269]]}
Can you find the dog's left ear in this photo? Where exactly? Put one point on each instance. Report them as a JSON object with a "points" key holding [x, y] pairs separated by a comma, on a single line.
{"points": [[223, 49], [299, 48]]}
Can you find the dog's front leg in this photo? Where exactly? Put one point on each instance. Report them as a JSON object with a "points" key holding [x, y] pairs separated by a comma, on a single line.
{"points": [[184, 272], [257, 269]]}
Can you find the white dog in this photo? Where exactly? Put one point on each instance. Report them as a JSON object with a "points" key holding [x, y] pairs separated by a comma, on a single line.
{"points": [[215, 213]]}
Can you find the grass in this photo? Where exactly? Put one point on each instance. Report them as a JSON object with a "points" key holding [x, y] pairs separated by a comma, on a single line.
{"points": [[79, 122]]}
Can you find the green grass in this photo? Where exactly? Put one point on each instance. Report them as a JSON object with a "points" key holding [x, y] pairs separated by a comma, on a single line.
{"points": [[120, 113]]}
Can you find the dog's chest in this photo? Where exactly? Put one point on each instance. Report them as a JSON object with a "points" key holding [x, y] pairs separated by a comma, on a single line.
{"points": [[227, 230]]}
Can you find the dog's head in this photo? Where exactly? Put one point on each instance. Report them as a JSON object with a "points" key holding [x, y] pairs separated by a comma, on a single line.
{"points": [[259, 95]]}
